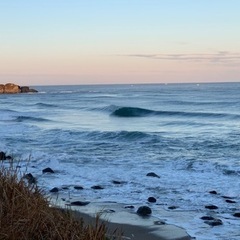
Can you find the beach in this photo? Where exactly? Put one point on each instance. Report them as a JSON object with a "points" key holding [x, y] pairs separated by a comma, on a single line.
{"points": [[131, 226]]}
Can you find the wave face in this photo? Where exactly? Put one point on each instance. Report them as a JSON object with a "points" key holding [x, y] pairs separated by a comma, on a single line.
{"points": [[141, 112], [45, 105], [132, 112]]}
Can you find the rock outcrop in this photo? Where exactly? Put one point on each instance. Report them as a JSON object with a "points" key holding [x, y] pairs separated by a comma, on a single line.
{"points": [[11, 88]]}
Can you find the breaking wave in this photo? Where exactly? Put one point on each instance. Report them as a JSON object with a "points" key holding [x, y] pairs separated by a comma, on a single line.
{"points": [[141, 112]]}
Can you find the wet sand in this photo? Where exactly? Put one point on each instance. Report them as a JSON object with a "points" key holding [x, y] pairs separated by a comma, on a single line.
{"points": [[128, 224], [133, 232]]}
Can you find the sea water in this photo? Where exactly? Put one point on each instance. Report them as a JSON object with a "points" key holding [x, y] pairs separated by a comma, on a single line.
{"points": [[188, 134]]}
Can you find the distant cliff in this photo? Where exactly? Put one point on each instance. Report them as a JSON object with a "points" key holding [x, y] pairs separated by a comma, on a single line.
{"points": [[13, 88]]}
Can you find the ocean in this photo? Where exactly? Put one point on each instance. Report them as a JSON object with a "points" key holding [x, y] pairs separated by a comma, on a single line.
{"points": [[114, 135]]}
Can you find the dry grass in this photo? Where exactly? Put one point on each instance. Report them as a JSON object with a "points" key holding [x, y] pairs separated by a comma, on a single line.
{"points": [[25, 214]]}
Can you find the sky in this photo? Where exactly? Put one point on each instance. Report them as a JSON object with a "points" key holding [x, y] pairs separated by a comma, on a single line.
{"points": [[46, 42]]}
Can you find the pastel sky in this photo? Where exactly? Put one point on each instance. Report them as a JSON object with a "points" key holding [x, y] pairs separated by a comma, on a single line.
{"points": [[119, 41]]}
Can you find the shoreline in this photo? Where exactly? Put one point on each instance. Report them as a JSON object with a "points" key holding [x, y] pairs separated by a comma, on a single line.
{"points": [[120, 220], [135, 232]]}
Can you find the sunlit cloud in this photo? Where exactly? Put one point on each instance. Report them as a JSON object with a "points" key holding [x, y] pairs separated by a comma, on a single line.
{"points": [[222, 57]]}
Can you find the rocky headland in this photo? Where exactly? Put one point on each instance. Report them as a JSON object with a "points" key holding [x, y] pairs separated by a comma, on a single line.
{"points": [[11, 88]]}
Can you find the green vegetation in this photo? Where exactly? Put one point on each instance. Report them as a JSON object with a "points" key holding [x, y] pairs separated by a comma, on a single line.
{"points": [[25, 214]]}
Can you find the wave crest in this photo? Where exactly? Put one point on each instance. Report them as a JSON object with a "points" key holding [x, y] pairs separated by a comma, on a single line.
{"points": [[132, 112], [141, 112]]}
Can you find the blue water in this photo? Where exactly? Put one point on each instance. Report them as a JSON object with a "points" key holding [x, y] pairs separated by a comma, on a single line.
{"points": [[188, 134]]}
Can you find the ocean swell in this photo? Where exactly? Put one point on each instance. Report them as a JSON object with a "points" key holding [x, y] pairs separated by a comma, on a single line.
{"points": [[141, 112]]}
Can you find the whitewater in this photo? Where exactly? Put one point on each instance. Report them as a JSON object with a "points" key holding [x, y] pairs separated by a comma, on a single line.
{"points": [[113, 135]]}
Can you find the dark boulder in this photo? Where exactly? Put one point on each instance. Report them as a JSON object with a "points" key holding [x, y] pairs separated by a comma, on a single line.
{"points": [[211, 207], [78, 187], [117, 182], [172, 207], [79, 203], [129, 207], [213, 192], [230, 201], [152, 199], [26, 89], [144, 211], [152, 174], [2, 156], [237, 214], [97, 187], [54, 190], [47, 170]]}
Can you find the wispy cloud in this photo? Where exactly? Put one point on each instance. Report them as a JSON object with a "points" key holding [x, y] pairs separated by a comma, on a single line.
{"points": [[223, 57]]}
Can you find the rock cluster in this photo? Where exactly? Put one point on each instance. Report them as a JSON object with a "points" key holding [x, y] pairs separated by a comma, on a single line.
{"points": [[11, 88], [3, 156]]}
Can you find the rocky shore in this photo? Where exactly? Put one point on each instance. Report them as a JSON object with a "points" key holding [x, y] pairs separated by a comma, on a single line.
{"points": [[136, 221], [11, 88]]}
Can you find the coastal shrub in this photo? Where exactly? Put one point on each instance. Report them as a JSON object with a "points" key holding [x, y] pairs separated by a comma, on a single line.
{"points": [[25, 214]]}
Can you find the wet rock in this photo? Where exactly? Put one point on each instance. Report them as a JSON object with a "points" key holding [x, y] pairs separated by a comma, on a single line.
{"points": [[47, 170], [2, 156], [172, 207], [144, 211], [215, 222], [78, 187], [213, 192], [97, 187], [129, 207], [30, 178], [211, 207], [26, 89], [79, 203], [208, 218], [237, 214], [230, 201], [54, 190], [152, 199], [117, 182], [152, 174]]}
